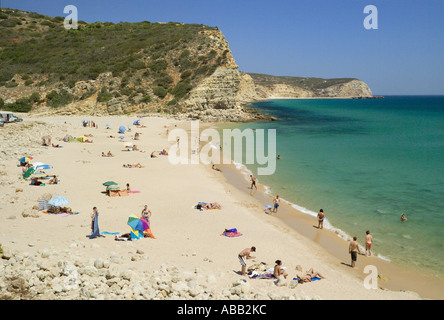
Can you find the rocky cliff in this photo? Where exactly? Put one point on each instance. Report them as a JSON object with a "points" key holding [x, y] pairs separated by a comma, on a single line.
{"points": [[186, 71]]}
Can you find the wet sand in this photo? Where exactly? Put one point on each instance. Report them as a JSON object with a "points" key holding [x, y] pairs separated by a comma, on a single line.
{"points": [[393, 276]]}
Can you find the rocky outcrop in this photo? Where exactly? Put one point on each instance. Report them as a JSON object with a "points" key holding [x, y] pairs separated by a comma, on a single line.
{"points": [[354, 88], [49, 275]]}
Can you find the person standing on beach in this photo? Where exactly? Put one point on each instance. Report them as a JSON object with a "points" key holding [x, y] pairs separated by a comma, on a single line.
{"points": [[276, 202], [253, 182], [368, 243], [94, 224], [353, 249], [243, 256], [321, 217]]}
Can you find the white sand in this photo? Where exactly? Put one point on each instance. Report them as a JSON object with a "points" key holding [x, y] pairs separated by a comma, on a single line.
{"points": [[185, 237]]}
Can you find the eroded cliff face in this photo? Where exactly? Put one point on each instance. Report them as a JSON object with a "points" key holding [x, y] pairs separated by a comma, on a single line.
{"points": [[188, 72]]}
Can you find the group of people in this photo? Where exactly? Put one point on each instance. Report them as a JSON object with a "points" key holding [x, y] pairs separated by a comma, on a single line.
{"points": [[95, 231], [278, 270]]}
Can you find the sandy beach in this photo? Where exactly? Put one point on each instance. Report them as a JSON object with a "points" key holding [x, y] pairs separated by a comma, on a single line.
{"points": [[189, 258]]}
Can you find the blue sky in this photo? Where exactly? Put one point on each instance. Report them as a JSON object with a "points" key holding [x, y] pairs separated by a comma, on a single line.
{"points": [[308, 38]]}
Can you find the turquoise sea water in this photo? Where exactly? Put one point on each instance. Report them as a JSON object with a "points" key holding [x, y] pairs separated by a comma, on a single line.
{"points": [[364, 162]]}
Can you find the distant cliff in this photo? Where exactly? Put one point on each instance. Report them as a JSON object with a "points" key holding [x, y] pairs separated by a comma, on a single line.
{"points": [[183, 70], [268, 87]]}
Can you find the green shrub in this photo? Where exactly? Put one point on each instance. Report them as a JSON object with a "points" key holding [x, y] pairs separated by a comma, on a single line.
{"points": [[104, 95], [146, 99], [20, 105], [59, 99], [165, 81], [158, 65], [34, 97], [181, 89], [160, 92]]}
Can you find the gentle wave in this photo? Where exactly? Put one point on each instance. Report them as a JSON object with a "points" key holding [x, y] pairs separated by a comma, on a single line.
{"points": [[243, 169]]}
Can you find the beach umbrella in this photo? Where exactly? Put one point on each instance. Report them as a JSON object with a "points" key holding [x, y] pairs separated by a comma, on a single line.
{"points": [[122, 129], [113, 187], [138, 223], [58, 201], [28, 173], [36, 164], [43, 167], [109, 183], [25, 159], [137, 122]]}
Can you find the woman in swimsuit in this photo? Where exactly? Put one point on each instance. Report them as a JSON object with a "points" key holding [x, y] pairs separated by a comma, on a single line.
{"points": [[310, 274], [146, 214]]}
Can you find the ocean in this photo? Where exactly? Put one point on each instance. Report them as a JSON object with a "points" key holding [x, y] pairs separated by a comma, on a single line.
{"points": [[364, 162]]}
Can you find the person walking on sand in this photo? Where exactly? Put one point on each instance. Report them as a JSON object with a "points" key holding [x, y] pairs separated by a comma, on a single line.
{"points": [[276, 203], [94, 224], [253, 182], [321, 217], [368, 243], [243, 256], [353, 249]]}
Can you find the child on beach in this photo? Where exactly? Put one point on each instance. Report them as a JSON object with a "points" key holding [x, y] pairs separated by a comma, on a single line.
{"points": [[368, 243], [321, 217]]}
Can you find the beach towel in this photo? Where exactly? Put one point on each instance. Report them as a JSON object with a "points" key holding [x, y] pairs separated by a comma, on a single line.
{"points": [[314, 279], [61, 214], [231, 233], [96, 232], [256, 275], [110, 233], [150, 233], [134, 191]]}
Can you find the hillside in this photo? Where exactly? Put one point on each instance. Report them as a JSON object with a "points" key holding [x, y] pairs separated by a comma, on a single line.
{"points": [[104, 68]]}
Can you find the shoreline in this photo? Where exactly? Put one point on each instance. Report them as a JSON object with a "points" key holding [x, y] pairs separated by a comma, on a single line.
{"points": [[394, 277], [187, 239]]}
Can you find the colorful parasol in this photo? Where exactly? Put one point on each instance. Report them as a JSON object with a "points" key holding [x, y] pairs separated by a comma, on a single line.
{"points": [[109, 183], [25, 159], [138, 223]]}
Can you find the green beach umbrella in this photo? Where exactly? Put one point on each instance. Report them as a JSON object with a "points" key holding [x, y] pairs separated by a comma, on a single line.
{"points": [[109, 183], [28, 173]]}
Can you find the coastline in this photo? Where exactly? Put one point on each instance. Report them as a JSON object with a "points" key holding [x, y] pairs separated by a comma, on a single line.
{"points": [[188, 241], [391, 276]]}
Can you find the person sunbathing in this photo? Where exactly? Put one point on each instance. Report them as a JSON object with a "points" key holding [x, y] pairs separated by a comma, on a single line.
{"points": [[279, 270], [56, 145], [54, 180], [88, 135], [153, 155], [88, 141], [213, 205], [138, 165], [109, 154], [164, 152], [135, 148], [310, 274], [217, 169]]}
